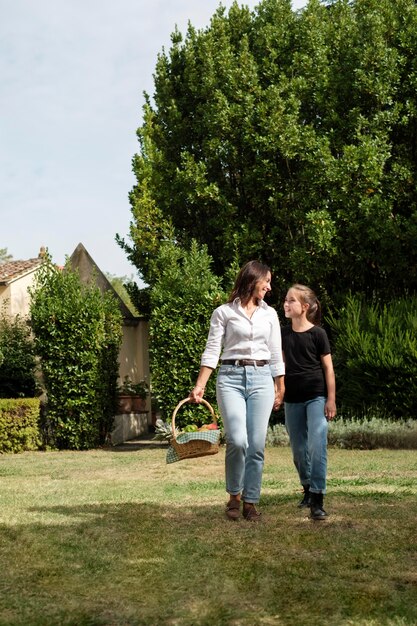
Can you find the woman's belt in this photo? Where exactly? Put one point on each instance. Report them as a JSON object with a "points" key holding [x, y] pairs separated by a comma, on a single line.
{"points": [[244, 362]]}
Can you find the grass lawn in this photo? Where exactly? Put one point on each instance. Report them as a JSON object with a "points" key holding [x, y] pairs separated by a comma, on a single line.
{"points": [[116, 537]]}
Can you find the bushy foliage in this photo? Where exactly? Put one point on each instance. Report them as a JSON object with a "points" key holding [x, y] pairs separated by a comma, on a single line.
{"points": [[19, 425], [361, 433], [183, 297], [375, 355], [77, 337], [277, 435], [5, 256], [373, 432], [108, 364], [292, 134], [18, 365], [120, 284]]}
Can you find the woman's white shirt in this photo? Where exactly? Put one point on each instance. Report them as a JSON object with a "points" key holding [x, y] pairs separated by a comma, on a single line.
{"points": [[241, 337]]}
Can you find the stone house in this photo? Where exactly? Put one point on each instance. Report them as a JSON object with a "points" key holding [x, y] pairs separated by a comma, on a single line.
{"points": [[15, 279]]}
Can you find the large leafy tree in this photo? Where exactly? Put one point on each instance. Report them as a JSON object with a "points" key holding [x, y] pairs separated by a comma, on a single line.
{"points": [[291, 137]]}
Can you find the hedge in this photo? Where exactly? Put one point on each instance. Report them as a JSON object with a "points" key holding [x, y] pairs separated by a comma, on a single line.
{"points": [[19, 425]]}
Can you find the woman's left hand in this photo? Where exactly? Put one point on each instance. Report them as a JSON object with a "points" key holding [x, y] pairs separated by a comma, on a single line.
{"points": [[279, 392], [278, 399]]}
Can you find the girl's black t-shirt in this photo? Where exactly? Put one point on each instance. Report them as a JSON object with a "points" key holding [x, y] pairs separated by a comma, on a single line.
{"points": [[304, 376]]}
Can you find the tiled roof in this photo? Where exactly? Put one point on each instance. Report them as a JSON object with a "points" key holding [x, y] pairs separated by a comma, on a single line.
{"points": [[13, 269]]}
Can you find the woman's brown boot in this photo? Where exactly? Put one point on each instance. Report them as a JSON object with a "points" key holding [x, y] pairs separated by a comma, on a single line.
{"points": [[250, 513], [233, 508]]}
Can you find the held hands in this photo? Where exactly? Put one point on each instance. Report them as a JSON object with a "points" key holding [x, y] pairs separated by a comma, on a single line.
{"points": [[279, 392], [278, 399]]}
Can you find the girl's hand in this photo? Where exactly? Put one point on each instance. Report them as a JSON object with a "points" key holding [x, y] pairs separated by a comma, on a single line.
{"points": [[196, 395], [277, 402], [330, 409]]}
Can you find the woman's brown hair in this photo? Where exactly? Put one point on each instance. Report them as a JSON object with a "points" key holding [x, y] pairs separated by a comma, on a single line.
{"points": [[246, 280]]}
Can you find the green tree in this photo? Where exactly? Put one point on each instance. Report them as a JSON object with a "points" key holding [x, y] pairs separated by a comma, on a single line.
{"points": [[119, 284], [4, 256], [184, 295], [375, 355], [288, 137], [77, 335], [17, 358]]}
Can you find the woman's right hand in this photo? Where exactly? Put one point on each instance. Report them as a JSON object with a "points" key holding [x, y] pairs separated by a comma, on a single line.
{"points": [[196, 395]]}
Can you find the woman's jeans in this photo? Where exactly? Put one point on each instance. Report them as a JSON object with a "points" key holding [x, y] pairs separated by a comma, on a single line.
{"points": [[307, 427], [245, 396]]}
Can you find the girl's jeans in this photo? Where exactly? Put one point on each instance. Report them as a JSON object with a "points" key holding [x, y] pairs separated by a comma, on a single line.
{"points": [[307, 427], [245, 396]]}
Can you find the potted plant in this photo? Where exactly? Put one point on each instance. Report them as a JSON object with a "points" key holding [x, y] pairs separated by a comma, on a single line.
{"points": [[132, 396]]}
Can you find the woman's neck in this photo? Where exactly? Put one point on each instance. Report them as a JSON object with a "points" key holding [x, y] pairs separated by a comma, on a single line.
{"points": [[249, 307]]}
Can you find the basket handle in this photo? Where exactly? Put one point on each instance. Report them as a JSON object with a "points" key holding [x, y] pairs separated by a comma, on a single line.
{"points": [[179, 405]]}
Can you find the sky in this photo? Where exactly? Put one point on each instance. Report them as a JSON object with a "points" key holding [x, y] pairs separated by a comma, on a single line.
{"points": [[73, 75]]}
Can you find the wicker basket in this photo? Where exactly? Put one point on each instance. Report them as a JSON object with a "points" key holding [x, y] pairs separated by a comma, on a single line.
{"points": [[200, 443]]}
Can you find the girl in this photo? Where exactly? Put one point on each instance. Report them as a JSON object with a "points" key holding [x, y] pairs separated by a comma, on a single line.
{"points": [[310, 393], [249, 383]]}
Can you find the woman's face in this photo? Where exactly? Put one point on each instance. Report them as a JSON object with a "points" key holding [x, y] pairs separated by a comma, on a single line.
{"points": [[262, 287]]}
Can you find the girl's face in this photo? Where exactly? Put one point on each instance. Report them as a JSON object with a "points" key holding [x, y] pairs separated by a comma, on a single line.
{"points": [[293, 307], [262, 287]]}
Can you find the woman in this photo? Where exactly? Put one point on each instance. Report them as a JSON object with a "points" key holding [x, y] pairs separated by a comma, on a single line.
{"points": [[249, 382]]}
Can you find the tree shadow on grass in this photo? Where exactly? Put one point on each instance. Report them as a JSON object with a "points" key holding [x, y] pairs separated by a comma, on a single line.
{"points": [[134, 563]]}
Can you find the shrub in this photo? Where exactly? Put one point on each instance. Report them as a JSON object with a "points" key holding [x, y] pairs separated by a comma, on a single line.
{"points": [[129, 388], [368, 434], [108, 364], [77, 337], [375, 355], [277, 436], [365, 433], [19, 425], [182, 301], [17, 359]]}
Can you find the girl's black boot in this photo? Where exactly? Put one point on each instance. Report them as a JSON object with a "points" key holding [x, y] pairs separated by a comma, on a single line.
{"points": [[306, 497], [316, 506]]}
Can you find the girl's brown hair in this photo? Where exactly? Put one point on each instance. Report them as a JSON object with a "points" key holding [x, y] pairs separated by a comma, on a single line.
{"points": [[307, 296], [246, 280]]}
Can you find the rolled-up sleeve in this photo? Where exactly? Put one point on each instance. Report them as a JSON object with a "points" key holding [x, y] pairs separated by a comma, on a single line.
{"points": [[275, 347], [211, 354]]}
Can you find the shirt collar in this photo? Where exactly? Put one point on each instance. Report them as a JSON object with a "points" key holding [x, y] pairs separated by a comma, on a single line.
{"points": [[262, 304]]}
